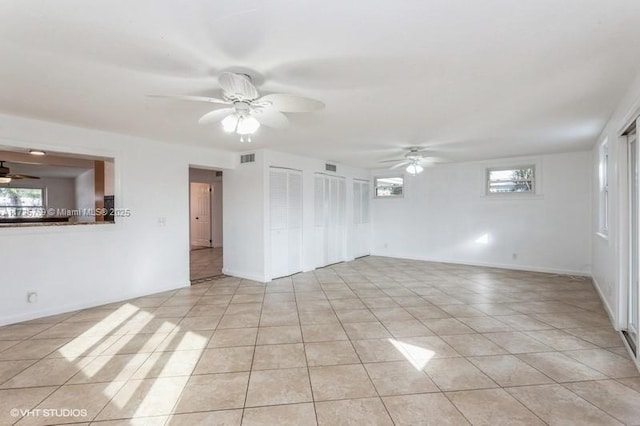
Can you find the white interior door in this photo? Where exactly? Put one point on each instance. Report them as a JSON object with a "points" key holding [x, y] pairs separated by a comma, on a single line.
{"points": [[285, 195], [361, 207], [294, 221], [200, 214], [320, 207], [330, 218], [633, 299]]}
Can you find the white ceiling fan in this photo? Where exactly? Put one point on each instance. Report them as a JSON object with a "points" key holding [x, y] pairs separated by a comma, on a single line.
{"points": [[6, 176], [245, 110], [415, 160]]}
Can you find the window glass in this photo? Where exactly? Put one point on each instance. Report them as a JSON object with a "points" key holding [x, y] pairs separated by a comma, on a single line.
{"points": [[512, 179], [604, 188], [389, 187], [20, 202]]}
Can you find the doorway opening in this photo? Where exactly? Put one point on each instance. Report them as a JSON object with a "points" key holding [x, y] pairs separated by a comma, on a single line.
{"points": [[205, 224], [631, 244]]}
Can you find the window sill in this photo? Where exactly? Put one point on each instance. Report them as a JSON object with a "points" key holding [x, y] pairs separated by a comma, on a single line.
{"points": [[50, 224]]}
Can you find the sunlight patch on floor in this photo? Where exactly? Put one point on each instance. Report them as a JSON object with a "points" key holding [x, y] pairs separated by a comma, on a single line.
{"points": [[98, 332], [417, 356]]}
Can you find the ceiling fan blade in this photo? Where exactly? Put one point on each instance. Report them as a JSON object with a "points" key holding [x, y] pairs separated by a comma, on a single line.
{"points": [[292, 103], [22, 177], [400, 165], [215, 115], [271, 117], [237, 86], [193, 98], [392, 161], [433, 160], [425, 153]]}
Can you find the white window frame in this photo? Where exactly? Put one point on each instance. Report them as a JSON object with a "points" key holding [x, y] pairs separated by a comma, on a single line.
{"points": [[603, 190], [383, 197], [534, 180]]}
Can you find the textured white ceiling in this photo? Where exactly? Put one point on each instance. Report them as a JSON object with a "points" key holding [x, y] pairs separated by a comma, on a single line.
{"points": [[469, 79]]}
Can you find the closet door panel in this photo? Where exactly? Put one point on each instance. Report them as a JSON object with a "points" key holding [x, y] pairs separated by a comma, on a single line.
{"points": [[278, 222], [294, 223], [285, 213]]}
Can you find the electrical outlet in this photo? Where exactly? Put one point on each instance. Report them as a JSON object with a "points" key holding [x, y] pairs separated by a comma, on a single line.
{"points": [[386, 245], [514, 256], [162, 221], [32, 297]]}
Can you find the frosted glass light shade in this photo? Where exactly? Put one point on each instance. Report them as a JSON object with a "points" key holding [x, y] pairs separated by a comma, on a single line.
{"points": [[229, 123], [414, 168], [248, 125]]}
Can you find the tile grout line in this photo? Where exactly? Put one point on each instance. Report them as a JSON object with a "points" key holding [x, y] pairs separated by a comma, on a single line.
{"points": [[304, 346], [253, 357]]}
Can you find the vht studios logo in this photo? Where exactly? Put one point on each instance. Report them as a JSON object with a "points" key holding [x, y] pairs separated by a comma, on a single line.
{"points": [[49, 412]]}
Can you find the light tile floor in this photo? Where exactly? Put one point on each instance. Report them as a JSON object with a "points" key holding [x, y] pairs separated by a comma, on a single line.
{"points": [[205, 263], [371, 342]]}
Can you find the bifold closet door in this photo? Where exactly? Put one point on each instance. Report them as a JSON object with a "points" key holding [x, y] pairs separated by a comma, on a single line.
{"points": [[361, 227], [330, 229], [285, 208]]}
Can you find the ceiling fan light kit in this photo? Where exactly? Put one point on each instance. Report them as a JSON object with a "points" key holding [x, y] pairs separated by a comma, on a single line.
{"points": [[245, 110], [415, 160], [247, 125], [414, 168]]}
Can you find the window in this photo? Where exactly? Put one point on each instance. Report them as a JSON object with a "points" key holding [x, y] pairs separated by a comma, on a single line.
{"points": [[511, 180], [388, 187], [21, 202], [604, 188], [58, 189]]}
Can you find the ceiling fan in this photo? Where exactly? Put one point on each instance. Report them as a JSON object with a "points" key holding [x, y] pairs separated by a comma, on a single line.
{"points": [[6, 176], [415, 160], [245, 110]]}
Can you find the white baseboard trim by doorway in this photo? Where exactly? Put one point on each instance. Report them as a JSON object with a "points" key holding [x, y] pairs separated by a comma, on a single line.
{"points": [[244, 275]]}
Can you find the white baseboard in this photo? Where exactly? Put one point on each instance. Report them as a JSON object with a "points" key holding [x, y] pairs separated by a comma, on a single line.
{"points": [[605, 303], [246, 276], [28, 316], [488, 264]]}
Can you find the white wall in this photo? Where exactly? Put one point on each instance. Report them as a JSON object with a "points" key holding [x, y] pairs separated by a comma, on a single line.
{"points": [[209, 176], [85, 189], [109, 178], [243, 219], [217, 212], [87, 265], [446, 216], [608, 273]]}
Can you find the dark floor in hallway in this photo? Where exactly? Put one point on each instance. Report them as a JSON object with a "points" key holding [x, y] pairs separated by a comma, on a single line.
{"points": [[205, 263]]}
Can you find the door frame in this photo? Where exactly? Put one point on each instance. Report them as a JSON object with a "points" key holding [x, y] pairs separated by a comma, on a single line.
{"points": [[209, 186], [188, 186], [624, 251]]}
